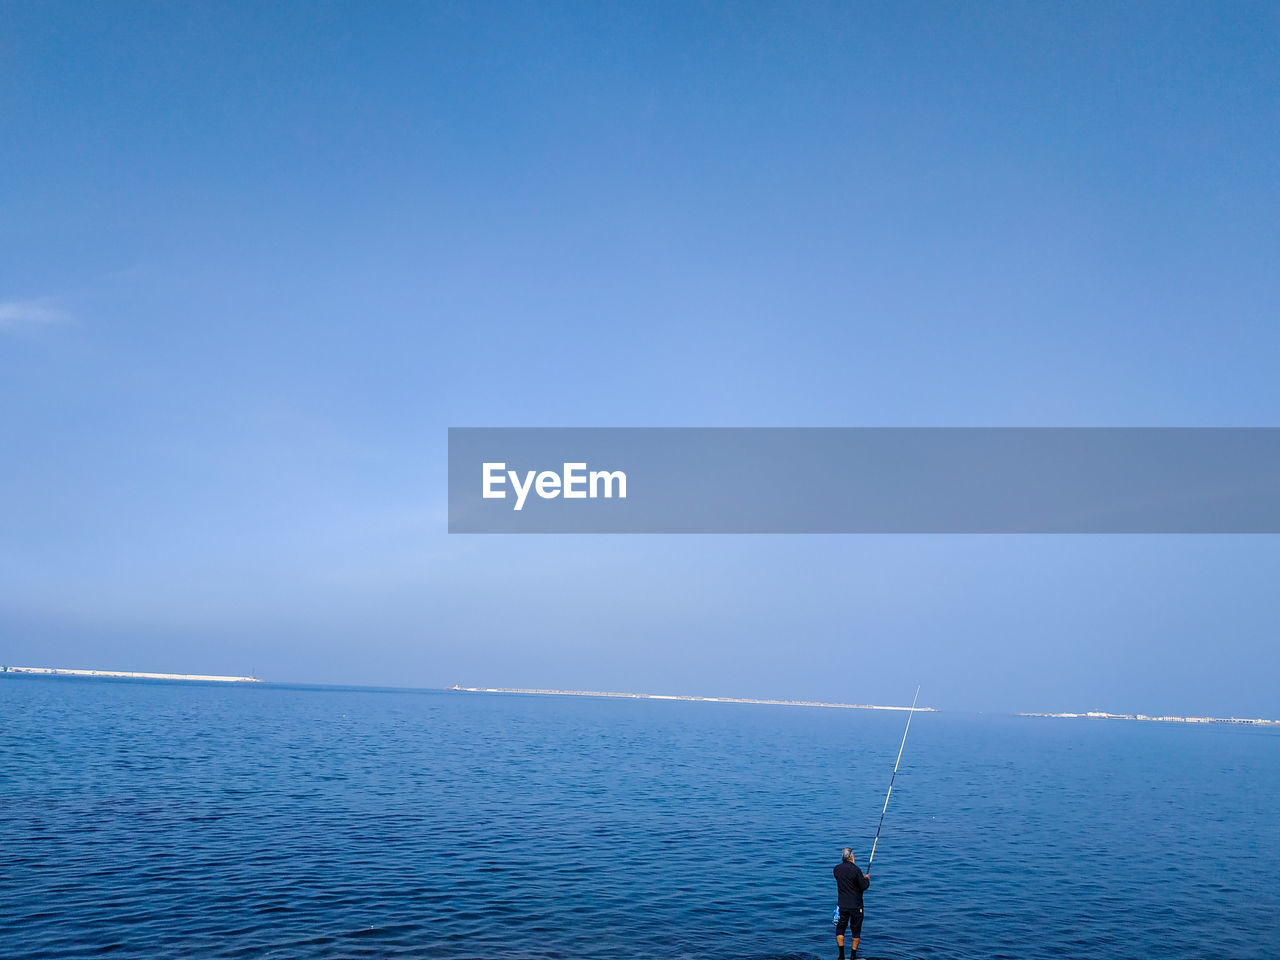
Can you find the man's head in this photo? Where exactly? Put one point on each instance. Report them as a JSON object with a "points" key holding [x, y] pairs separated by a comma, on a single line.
{"points": [[847, 855]]}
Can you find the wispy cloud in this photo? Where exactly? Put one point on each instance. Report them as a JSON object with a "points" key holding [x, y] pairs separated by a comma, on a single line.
{"points": [[29, 314]]}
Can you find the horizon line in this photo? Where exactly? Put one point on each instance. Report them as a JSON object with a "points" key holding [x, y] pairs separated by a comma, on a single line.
{"points": [[626, 695]]}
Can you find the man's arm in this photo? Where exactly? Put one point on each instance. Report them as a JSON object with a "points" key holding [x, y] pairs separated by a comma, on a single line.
{"points": [[864, 881]]}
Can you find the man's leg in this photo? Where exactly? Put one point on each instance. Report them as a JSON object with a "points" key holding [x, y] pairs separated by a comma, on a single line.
{"points": [[844, 920]]}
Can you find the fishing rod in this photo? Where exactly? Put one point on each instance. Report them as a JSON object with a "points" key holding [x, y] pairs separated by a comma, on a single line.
{"points": [[910, 713]]}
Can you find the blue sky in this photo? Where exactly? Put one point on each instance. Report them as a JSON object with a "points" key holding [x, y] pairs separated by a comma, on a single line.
{"points": [[255, 259]]}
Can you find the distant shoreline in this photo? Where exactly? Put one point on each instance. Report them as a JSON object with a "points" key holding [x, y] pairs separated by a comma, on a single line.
{"points": [[1099, 715], [623, 695], [127, 674], [664, 696]]}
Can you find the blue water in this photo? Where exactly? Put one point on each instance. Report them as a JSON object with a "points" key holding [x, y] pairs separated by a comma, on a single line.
{"points": [[158, 819]]}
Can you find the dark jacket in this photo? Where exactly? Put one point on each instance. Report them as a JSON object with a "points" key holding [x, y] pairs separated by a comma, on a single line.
{"points": [[850, 882]]}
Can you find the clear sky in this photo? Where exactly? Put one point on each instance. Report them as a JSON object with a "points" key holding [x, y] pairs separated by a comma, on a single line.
{"points": [[256, 258]]}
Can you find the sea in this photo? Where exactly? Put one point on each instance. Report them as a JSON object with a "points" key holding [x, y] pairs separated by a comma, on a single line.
{"points": [[169, 819]]}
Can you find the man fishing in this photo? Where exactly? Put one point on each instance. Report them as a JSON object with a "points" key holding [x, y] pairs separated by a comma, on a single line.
{"points": [[850, 882]]}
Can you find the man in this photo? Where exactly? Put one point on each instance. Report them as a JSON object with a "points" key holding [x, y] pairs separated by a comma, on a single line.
{"points": [[850, 882]]}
